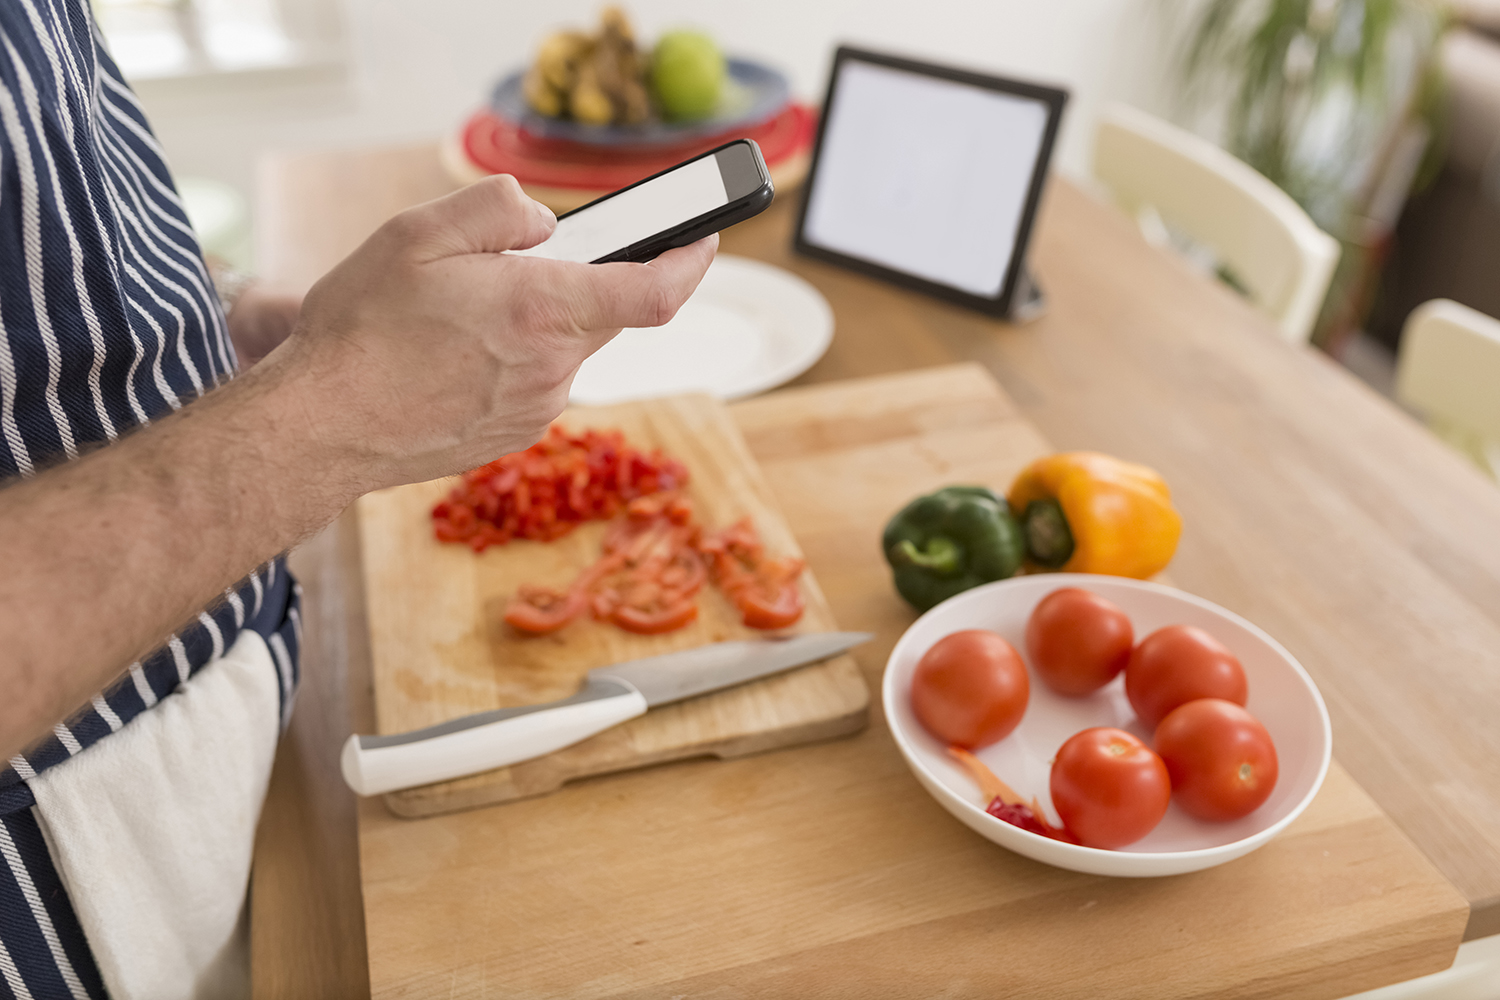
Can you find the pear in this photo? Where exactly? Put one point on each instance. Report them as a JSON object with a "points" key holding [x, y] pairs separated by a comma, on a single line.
{"points": [[687, 75]]}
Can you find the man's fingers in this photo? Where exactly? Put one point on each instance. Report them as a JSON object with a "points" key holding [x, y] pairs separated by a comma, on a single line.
{"points": [[610, 296], [486, 217]]}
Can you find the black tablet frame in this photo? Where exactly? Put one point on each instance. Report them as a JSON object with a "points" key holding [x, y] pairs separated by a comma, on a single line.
{"points": [[1007, 302]]}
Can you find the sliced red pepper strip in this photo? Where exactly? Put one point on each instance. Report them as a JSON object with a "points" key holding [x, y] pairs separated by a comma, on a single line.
{"points": [[770, 611], [655, 561], [538, 610], [654, 622], [1004, 803], [645, 582], [990, 785], [766, 591]]}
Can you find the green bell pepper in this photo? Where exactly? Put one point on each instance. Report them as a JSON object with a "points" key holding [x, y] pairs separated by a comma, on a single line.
{"points": [[949, 541]]}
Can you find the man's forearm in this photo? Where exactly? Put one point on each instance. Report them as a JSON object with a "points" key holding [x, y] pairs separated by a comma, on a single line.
{"points": [[106, 555], [428, 351]]}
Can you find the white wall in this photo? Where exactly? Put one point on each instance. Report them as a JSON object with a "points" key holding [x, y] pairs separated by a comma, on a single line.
{"points": [[416, 68]]}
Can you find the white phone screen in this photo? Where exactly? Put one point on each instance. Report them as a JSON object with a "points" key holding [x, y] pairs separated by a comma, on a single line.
{"points": [[924, 175], [636, 214]]}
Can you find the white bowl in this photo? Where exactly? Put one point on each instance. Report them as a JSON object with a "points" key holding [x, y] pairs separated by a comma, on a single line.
{"points": [[1282, 697]]}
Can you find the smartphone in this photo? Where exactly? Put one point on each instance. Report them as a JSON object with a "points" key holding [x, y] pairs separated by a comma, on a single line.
{"points": [[678, 206]]}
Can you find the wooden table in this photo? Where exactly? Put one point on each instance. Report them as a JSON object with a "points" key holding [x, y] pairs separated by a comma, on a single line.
{"points": [[1313, 508]]}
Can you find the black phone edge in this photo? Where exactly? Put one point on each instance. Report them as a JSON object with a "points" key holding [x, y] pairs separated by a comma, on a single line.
{"points": [[1001, 305], [695, 229]]}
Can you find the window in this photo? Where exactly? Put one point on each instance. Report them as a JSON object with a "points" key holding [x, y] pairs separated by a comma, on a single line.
{"points": [[153, 39]]}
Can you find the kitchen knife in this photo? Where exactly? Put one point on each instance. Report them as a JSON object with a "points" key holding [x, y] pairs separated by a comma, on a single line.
{"points": [[610, 695]]}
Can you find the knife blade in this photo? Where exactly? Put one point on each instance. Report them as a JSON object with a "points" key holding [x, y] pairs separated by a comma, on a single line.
{"points": [[373, 765]]}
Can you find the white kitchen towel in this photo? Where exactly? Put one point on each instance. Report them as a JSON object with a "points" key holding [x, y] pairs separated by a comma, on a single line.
{"points": [[151, 830]]}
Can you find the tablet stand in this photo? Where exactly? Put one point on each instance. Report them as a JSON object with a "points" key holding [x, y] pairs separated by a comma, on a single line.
{"points": [[1027, 301]]}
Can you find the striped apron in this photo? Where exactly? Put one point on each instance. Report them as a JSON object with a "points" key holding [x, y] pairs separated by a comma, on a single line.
{"points": [[108, 321]]}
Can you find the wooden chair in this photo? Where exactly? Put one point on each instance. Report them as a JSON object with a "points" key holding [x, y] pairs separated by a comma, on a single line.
{"points": [[1448, 369], [1163, 174]]}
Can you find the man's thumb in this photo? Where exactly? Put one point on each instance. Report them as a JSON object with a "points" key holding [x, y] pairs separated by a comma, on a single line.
{"points": [[488, 216]]}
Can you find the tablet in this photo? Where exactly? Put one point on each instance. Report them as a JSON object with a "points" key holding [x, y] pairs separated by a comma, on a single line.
{"points": [[929, 177]]}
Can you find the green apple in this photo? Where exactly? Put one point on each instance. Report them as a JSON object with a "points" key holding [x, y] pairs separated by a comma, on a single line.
{"points": [[687, 74]]}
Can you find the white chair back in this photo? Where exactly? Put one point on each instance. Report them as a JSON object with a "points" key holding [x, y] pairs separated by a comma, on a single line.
{"points": [[1264, 237], [1448, 368]]}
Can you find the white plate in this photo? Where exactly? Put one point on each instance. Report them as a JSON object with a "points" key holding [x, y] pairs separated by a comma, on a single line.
{"points": [[1282, 697], [749, 327]]}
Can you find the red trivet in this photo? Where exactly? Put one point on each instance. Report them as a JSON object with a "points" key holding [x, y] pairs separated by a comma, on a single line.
{"points": [[500, 146]]}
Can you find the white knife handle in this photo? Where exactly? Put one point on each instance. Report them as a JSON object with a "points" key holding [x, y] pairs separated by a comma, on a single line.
{"points": [[373, 765]]}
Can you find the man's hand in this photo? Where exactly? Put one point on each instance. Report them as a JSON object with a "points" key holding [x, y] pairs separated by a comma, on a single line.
{"points": [[430, 350]]}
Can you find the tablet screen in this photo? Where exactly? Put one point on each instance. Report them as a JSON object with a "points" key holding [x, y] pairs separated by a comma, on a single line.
{"points": [[927, 176]]}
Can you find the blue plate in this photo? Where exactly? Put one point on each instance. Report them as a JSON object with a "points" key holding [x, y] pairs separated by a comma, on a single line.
{"points": [[752, 93]]}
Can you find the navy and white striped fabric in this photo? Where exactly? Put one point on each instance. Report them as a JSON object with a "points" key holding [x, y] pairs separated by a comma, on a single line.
{"points": [[108, 321]]}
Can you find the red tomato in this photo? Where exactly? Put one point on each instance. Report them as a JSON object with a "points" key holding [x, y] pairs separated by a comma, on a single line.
{"points": [[970, 688], [1078, 641], [1221, 759], [1178, 664], [1109, 788]]}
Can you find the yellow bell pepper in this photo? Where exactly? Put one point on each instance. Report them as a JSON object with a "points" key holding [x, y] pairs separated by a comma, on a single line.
{"points": [[1084, 512]]}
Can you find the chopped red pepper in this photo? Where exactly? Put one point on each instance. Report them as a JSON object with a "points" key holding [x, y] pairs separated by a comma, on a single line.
{"points": [[655, 559], [547, 490], [1018, 815]]}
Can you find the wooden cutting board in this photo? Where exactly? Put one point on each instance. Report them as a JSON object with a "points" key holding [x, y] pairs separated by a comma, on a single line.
{"points": [[440, 649]]}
